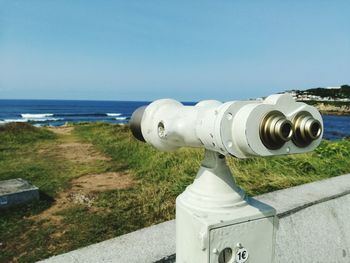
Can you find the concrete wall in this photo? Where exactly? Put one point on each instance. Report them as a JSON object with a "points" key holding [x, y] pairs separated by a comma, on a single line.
{"points": [[314, 226]]}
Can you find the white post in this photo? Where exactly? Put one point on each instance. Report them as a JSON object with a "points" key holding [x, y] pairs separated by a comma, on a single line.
{"points": [[216, 222]]}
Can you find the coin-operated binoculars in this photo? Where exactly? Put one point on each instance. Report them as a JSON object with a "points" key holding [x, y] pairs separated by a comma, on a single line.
{"points": [[215, 221]]}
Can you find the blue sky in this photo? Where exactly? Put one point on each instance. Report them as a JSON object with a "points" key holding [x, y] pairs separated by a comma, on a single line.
{"points": [[187, 50]]}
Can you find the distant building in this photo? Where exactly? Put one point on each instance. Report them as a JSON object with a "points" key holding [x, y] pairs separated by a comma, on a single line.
{"points": [[335, 87], [318, 95]]}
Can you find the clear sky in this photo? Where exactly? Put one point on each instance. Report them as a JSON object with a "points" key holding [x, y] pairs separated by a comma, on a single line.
{"points": [[187, 50]]}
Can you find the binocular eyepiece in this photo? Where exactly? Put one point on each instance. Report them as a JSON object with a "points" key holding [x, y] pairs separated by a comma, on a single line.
{"points": [[306, 129], [275, 126], [276, 129]]}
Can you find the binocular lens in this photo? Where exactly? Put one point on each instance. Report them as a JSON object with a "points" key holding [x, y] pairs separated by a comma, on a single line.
{"points": [[275, 130], [283, 129], [306, 129], [135, 123]]}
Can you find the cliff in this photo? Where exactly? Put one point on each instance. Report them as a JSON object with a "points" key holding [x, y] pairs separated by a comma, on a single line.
{"points": [[332, 109]]}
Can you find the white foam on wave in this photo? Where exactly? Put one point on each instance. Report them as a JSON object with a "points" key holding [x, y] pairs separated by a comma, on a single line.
{"points": [[36, 115], [121, 118], [113, 114], [45, 119], [14, 120], [30, 120]]}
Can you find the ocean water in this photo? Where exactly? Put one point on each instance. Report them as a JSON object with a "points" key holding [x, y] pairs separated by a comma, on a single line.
{"points": [[58, 112], [336, 127]]}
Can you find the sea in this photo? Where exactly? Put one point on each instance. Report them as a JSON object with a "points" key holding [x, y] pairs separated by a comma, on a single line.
{"points": [[60, 112]]}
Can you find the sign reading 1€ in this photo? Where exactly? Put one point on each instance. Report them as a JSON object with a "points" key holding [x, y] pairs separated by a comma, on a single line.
{"points": [[242, 255]]}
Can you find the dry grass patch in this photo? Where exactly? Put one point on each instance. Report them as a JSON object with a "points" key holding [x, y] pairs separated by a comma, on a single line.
{"points": [[61, 130], [83, 189], [102, 182], [83, 192], [80, 152]]}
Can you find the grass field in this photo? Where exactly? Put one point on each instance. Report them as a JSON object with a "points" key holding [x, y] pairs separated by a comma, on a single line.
{"points": [[97, 182]]}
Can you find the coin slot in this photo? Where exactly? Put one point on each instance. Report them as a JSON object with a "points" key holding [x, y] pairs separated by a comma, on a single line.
{"points": [[225, 255]]}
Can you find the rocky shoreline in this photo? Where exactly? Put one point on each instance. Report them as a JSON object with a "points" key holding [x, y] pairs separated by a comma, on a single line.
{"points": [[329, 109]]}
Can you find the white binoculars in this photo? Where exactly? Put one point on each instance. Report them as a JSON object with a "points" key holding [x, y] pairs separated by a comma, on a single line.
{"points": [[274, 126]]}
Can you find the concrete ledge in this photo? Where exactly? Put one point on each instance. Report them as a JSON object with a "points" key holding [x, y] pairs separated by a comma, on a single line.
{"points": [[146, 245], [314, 226], [16, 191], [296, 198]]}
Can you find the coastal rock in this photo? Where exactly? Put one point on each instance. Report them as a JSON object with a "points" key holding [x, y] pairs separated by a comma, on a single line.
{"points": [[333, 109]]}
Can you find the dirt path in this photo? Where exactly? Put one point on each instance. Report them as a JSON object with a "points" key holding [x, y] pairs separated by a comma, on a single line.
{"points": [[82, 192], [62, 130], [71, 148], [84, 188]]}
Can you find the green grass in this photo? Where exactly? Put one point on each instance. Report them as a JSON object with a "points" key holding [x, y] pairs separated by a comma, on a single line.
{"points": [[176, 170], [18, 142], [30, 153], [331, 103]]}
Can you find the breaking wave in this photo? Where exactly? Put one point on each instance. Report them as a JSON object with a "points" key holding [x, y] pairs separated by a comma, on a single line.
{"points": [[113, 114], [45, 115], [36, 116], [14, 120], [121, 118], [30, 120], [59, 118]]}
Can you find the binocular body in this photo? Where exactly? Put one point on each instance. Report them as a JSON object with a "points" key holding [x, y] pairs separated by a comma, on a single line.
{"points": [[215, 220], [274, 126]]}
